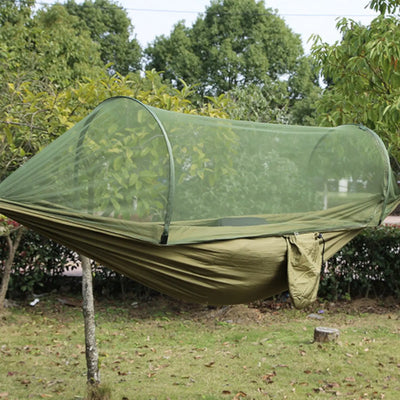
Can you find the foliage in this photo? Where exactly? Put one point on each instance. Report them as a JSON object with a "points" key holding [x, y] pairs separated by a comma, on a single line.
{"points": [[37, 264], [243, 50], [110, 27], [174, 56], [50, 45], [363, 78], [367, 266], [244, 187], [34, 105], [112, 285], [384, 6], [30, 118], [303, 91], [235, 43], [269, 103], [282, 101], [13, 12]]}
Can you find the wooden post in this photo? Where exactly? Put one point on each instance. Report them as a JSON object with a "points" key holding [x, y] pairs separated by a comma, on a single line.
{"points": [[322, 334], [92, 356]]}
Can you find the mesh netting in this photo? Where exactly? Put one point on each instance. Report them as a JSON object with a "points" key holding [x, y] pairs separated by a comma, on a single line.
{"points": [[158, 175]]}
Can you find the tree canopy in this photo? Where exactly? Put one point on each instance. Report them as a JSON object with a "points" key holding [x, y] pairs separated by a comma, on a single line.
{"points": [[110, 27], [281, 101], [363, 75], [49, 45], [234, 43], [41, 54], [245, 51], [384, 6], [51, 76]]}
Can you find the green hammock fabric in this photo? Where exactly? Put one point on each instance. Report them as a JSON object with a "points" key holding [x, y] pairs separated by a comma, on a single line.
{"points": [[218, 272], [208, 210]]}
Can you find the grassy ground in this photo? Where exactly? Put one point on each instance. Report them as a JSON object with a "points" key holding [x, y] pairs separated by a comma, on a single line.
{"points": [[166, 350]]}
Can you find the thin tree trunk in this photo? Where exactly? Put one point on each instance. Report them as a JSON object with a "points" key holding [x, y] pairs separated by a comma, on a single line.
{"points": [[12, 248], [92, 356]]}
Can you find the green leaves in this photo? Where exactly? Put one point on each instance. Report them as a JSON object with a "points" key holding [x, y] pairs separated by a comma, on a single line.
{"points": [[368, 265], [235, 43], [363, 78], [384, 6], [110, 27]]}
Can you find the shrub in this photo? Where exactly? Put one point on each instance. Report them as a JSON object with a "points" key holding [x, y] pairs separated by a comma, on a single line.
{"points": [[37, 264], [367, 266], [39, 267], [108, 283]]}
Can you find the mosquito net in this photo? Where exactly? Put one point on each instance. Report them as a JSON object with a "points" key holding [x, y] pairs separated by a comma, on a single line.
{"points": [[204, 209], [168, 177]]}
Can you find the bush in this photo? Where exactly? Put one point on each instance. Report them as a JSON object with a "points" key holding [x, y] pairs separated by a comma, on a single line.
{"points": [[37, 264], [39, 267], [108, 283], [367, 266]]}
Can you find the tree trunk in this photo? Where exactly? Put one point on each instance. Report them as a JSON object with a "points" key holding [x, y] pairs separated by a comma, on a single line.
{"points": [[12, 248], [92, 356]]}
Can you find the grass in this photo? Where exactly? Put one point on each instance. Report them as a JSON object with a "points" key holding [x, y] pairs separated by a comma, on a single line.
{"points": [[163, 350]]}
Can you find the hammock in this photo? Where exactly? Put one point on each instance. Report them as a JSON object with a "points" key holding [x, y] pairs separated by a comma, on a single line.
{"points": [[207, 210]]}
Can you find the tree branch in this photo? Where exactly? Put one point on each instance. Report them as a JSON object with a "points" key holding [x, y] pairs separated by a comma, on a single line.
{"points": [[39, 128]]}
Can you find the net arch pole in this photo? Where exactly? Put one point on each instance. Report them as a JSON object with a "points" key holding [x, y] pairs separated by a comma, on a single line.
{"points": [[171, 186], [385, 154], [381, 147]]}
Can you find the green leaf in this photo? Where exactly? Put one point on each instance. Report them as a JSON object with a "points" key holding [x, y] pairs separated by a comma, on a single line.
{"points": [[117, 163], [115, 204]]}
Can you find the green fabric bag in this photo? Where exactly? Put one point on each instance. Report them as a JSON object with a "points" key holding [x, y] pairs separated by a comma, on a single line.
{"points": [[304, 261]]}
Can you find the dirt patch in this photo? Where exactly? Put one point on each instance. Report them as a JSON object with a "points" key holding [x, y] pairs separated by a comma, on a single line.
{"points": [[257, 312], [165, 306], [235, 314], [366, 305]]}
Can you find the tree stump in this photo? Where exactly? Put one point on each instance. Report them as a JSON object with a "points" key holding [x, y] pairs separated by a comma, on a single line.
{"points": [[322, 334]]}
